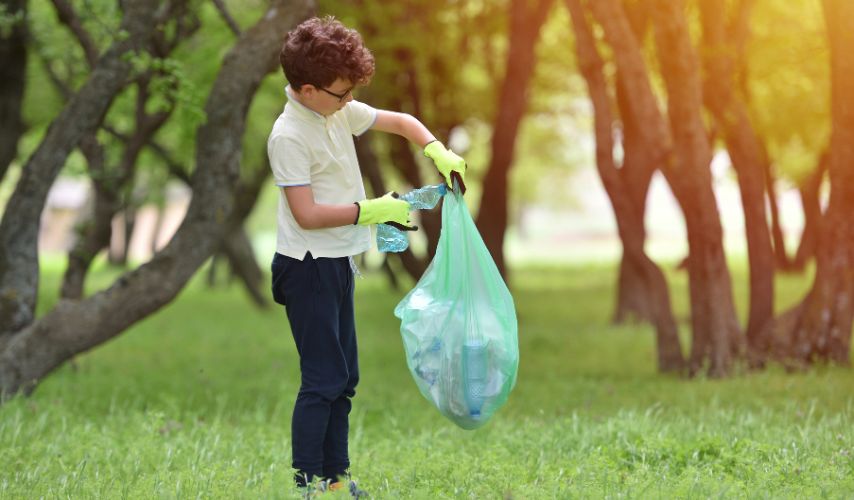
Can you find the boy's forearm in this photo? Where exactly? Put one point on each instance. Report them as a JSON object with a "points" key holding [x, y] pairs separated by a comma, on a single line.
{"points": [[404, 125], [311, 215], [325, 216], [416, 132]]}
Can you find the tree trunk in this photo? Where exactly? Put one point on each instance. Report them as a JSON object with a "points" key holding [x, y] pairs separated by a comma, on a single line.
{"points": [[526, 18], [822, 332], [13, 72], [241, 258], [401, 150], [236, 244], [119, 256], [685, 157], [746, 152], [810, 189], [781, 256], [94, 233], [76, 326], [633, 300], [716, 334], [629, 222], [81, 116]]}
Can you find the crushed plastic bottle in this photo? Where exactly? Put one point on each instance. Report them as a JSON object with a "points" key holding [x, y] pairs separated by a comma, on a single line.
{"points": [[390, 239], [428, 361]]}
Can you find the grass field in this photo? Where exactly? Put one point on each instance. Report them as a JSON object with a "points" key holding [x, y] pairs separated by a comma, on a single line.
{"points": [[195, 402]]}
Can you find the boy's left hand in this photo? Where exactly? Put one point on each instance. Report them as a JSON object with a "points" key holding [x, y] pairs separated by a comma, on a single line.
{"points": [[451, 165]]}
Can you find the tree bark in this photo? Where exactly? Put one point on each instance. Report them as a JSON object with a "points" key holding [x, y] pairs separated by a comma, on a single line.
{"points": [[119, 256], [401, 150], [634, 303], [67, 16], [241, 258], [716, 333], [526, 19], [633, 300], [13, 72], [810, 189], [822, 331], [629, 222], [94, 233], [76, 326], [746, 152], [684, 157], [82, 115], [236, 244], [781, 256]]}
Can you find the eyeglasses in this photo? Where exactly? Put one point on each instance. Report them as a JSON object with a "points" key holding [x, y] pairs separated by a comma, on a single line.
{"points": [[340, 97]]}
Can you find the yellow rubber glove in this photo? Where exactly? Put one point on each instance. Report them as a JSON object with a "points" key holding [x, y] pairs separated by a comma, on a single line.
{"points": [[450, 165], [388, 209]]}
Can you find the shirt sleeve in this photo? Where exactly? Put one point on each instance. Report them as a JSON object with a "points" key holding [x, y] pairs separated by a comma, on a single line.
{"points": [[360, 116], [289, 161]]}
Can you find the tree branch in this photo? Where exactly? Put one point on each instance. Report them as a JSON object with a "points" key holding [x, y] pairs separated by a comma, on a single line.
{"points": [[226, 16], [67, 16]]}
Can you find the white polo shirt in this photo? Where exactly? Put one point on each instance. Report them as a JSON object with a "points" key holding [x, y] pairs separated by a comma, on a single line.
{"points": [[307, 148]]}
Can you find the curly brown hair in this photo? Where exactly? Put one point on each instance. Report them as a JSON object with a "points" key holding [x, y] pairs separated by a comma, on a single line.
{"points": [[320, 50]]}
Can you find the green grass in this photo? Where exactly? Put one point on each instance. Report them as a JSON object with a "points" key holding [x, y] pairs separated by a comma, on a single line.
{"points": [[195, 402]]}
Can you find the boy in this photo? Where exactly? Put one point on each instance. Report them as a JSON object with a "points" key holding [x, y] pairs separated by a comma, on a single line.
{"points": [[323, 221]]}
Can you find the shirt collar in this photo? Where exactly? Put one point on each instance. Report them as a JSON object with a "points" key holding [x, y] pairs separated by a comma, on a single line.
{"points": [[300, 110]]}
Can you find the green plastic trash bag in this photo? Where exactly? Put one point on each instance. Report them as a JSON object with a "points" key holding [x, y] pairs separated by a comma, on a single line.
{"points": [[459, 325]]}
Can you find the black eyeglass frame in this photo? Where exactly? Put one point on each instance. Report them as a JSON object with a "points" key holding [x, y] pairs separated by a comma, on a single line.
{"points": [[340, 97]]}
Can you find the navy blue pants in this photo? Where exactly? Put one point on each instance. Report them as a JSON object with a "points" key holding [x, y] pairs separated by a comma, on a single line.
{"points": [[318, 297]]}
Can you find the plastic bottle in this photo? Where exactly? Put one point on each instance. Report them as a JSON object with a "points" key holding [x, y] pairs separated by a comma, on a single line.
{"points": [[475, 371], [390, 239], [428, 362]]}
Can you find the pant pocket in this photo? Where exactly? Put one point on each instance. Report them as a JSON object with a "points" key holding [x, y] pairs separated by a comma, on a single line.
{"points": [[278, 268]]}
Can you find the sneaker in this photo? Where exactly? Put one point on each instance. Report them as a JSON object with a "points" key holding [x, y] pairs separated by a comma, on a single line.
{"points": [[329, 485], [350, 485], [355, 492]]}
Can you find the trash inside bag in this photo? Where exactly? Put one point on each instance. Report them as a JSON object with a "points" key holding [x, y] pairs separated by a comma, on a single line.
{"points": [[459, 325]]}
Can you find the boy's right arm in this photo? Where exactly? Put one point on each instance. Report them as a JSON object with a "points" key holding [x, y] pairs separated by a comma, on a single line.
{"points": [[311, 215], [291, 170]]}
